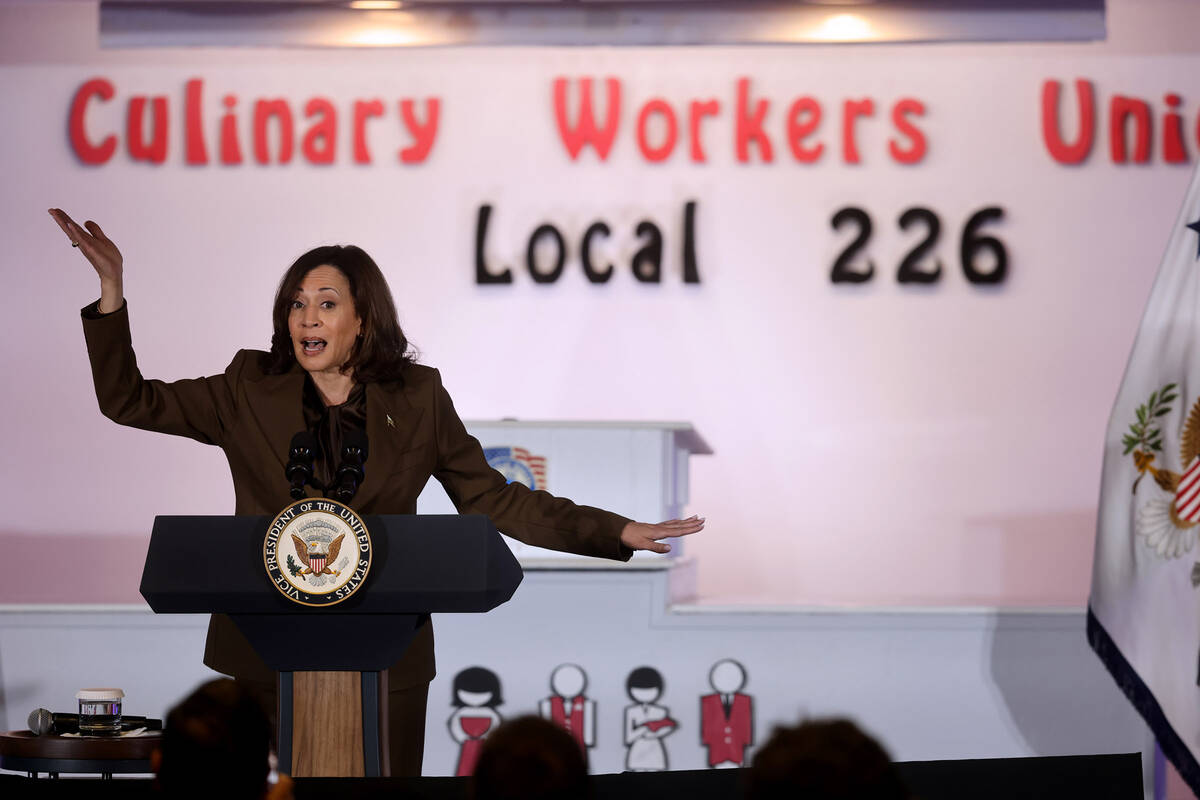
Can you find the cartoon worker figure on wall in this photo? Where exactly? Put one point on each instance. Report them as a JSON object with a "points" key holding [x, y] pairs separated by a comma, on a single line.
{"points": [[646, 722], [727, 715], [569, 706], [475, 695]]}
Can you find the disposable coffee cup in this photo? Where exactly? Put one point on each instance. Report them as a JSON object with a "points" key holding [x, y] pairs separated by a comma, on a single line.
{"points": [[100, 711]]}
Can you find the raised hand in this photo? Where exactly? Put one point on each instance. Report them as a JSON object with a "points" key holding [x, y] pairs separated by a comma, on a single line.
{"points": [[101, 252], [646, 536]]}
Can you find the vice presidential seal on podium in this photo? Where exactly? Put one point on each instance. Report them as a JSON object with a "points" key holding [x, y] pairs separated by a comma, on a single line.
{"points": [[317, 552]]}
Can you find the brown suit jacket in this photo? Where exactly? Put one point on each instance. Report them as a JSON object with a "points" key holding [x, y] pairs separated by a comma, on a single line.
{"points": [[413, 431]]}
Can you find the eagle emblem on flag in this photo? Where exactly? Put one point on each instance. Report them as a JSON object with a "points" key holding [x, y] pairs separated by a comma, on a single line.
{"points": [[1167, 521]]}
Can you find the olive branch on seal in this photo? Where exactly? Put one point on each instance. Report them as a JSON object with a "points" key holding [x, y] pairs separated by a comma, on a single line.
{"points": [[292, 566], [1145, 437]]}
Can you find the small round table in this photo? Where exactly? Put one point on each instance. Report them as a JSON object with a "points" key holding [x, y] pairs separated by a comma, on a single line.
{"points": [[23, 751]]}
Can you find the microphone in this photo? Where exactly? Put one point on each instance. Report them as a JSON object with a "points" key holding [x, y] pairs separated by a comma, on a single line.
{"points": [[350, 473], [299, 469], [42, 722]]}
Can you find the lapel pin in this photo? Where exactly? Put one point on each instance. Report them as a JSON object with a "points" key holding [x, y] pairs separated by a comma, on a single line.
{"points": [[389, 421]]}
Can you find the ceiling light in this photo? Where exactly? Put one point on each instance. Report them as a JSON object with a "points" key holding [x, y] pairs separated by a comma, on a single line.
{"points": [[382, 37], [376, 5], [844, 28]]}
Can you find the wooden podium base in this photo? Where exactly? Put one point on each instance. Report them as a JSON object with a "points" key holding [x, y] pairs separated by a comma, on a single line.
{"points": [[333, 724]]}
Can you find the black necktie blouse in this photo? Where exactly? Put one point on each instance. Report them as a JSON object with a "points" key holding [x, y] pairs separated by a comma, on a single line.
{"points": [[330, 425]]}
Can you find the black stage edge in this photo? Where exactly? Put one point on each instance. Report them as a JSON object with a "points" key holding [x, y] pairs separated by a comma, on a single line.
{"points": [[1143, 700], [1118, 777]]}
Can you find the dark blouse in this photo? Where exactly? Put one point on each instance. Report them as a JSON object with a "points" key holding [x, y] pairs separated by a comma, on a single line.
{"points": [[330, 424]]}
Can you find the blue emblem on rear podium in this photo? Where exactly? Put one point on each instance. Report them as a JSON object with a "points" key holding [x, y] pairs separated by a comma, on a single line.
{"points": [[517, 465]]}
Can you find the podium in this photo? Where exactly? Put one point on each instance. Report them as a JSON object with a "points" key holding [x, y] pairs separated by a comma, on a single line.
{"points": [[332, 662]]}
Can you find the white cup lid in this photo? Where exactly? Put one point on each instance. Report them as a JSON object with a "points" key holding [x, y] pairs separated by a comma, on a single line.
{"points": [[99, 694]]}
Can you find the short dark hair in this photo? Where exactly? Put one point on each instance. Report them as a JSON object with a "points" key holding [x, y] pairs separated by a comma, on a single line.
{"points": [[643, 678], [530, 758], [383, 351], [476, 679], [220, 728], [823, 759]]}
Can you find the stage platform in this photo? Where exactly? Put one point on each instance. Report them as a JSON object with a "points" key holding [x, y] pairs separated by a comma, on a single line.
{"points": [[1097, 777]]}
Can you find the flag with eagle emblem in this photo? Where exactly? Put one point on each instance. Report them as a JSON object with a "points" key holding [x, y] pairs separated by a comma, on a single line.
{"points": [[1144, 609]]}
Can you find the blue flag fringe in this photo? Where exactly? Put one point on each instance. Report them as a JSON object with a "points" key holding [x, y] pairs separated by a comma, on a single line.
{"points": [[1143, 700]]}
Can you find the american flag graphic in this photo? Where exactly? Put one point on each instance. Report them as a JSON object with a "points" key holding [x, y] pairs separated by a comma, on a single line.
{"points": [[536, 464], [518, 464], [1187, 496]]}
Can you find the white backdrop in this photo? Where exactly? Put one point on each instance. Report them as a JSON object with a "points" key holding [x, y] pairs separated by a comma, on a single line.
{"points": [[875, 444]]}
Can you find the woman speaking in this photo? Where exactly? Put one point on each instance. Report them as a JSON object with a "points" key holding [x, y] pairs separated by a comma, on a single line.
{"points": [[338, 364]]}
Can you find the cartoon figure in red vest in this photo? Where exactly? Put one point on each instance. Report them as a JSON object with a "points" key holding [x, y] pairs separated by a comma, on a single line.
{"points": [[475, 695], [569, 707], [727, 716]]}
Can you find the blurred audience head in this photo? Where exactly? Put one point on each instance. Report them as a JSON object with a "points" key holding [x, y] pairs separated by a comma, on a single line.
{"points": [[823, 759], [530, 758], [217, 741]]}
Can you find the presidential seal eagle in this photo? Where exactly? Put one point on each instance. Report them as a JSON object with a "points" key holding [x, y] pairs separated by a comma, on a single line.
{"points": [[315, 561]]}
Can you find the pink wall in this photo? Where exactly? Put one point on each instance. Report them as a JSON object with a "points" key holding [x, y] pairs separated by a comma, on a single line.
{"points": [[875, 445]]}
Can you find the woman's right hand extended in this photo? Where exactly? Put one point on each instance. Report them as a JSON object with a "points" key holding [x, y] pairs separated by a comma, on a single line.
{"points": [[104, 256]]}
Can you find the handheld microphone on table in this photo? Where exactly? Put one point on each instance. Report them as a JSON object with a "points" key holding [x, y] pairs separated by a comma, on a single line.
{"points": [[299, 469], [350, 472], [42, 721]]}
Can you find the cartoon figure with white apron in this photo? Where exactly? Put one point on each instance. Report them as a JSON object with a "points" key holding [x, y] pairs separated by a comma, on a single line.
{"points": [[475, 695], [569, 706], [646, 722]]}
